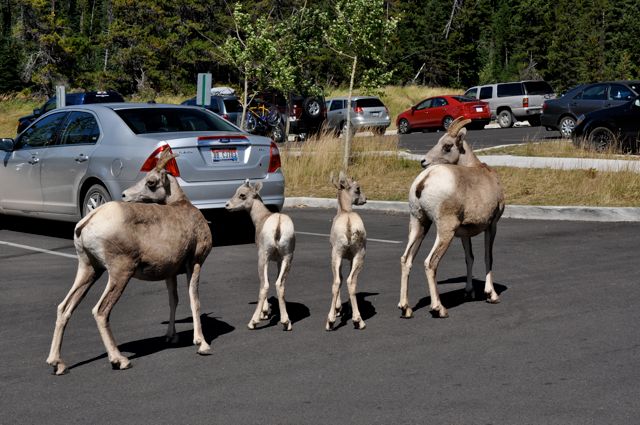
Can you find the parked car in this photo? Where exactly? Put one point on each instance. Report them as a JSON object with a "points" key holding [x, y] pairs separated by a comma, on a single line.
{"points": [[439, 111], [616, 127], [73, 159], [561, 114], [109, 96], [368, 112], [306, 113], [228, 106], [515, 101]]}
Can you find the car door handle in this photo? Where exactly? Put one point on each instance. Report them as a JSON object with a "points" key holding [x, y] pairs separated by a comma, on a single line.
{"points": [[34, 160], [81, 158]]}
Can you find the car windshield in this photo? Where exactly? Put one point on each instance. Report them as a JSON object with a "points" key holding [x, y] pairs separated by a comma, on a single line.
{"points": [[464, 99], [369, 103], [168, 120], [538, 87]]}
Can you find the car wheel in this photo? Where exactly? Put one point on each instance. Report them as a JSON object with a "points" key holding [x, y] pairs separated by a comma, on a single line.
{"points": [[96, 195], [277, 134], [505, 119], [312, 107], [446, 122], [567, 124], [404, 127], [601, 138]]}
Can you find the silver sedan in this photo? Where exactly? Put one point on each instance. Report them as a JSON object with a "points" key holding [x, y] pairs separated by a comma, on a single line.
{"points": [[76, 158]]}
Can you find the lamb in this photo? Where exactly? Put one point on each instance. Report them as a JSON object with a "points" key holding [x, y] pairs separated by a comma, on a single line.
{"points": [[348, 241], [156, 235], [464, 197], [276, 241]]}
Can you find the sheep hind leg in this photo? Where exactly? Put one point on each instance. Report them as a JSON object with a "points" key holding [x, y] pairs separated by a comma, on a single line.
{"points": [[443, 240], [468, 257], [118, 280], [417, 231], [172, 289], [489, 290], [263, 273], [352, 285], [336, 263], [194, 299], [285, 265], [86, 276]]}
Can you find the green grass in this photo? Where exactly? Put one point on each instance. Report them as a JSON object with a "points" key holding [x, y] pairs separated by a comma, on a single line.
{"points": [[556, 148]]}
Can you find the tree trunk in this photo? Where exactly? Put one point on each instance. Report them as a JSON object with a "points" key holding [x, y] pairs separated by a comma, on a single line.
{"points": [[244, 103], [347, 137]]}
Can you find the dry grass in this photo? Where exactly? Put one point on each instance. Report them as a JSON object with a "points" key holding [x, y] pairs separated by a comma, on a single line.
{"points": [[12, 108], [557, 148], [398, 98], [386, 177]]}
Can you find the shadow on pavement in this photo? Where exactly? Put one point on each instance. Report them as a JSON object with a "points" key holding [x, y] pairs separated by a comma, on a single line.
{"points": [[367, 310], [458, 297], [296, 311]]}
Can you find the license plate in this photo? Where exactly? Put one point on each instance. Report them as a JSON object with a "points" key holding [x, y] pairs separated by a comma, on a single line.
{"points": [[479, 109], [375, 114], [226, 154]]}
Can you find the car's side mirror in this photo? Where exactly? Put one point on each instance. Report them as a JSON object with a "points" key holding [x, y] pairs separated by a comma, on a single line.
{"points": [[7, 145]]}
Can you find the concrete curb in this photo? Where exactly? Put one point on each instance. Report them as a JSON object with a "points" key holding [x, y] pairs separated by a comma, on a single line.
{"points": [[526, 212]]}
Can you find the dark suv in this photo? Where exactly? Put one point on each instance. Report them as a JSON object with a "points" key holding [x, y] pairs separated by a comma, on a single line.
{"points": [[109, 96], [227, 106], [307, 113]]}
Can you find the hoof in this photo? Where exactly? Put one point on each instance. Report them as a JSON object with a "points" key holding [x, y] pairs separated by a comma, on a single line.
{"points": [[440, 312], [496, 300], [251, 325], [59, 368], [359, 324], [286, 326], [121, 364], [264, 316], [329, 325], [205, 351], [407, 312], [338, 312]]}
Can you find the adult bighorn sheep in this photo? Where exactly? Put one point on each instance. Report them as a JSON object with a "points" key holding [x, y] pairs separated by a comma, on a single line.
{"points": [[348, 241], [276, 241], [155, 235], [463, 197]]}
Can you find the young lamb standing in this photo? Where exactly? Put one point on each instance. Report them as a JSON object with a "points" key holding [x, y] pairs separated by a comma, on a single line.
{"points": [[463, 197], [276, 241], [348, 241], [156, 236]]}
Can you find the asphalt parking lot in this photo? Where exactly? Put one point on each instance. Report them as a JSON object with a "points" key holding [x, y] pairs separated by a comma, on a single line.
{"points": [[563, 346]]}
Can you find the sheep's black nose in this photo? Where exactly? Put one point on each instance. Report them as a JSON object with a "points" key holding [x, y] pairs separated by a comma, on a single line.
{"points": [[124, 196], [424, 163]]}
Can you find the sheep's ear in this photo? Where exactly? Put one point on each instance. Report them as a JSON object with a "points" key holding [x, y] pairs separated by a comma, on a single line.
{"points": [[333, 181], [257, 187]]}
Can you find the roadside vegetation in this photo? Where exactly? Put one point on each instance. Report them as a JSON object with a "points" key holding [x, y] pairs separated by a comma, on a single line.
{"points": [[385, 176], [556, 148]]}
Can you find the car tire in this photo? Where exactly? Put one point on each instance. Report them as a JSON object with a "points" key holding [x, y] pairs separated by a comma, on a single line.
{"points": [[312, 107], [277, 134], [404, 127], [446, 122], [96, 195], [601, 139], [566, 126], [505, 119]]}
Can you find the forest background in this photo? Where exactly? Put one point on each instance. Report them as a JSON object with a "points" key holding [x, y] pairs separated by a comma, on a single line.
{"points": [[158, 46]]}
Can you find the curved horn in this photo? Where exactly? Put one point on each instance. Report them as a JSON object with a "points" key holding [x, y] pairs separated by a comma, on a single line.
{"points": [[457, 125], [165, 157]]}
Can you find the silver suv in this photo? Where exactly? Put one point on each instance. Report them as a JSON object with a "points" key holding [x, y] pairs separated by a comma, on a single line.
{"points": [[368, 113], [515, 101]]}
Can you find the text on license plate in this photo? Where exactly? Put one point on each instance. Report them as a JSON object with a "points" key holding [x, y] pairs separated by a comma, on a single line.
{"points": [[375, 114], [478, 108], [226, 154]]}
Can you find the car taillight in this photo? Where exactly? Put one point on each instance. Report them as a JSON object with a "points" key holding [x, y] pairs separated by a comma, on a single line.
{"points": [[274, 158], [297, 111], [150, 163], [525, 102], [544, 106], [358, 109]]}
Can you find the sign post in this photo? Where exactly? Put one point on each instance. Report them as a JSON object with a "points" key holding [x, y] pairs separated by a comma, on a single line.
{"points": [[61, 98], [203, 97]]}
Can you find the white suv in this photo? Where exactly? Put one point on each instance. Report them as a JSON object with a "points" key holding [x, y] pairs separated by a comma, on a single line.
{"points": [[515, 101]]}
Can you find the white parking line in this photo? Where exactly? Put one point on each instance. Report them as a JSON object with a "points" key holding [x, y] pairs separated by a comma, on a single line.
{"points": [[33, 248], [368, 239]]}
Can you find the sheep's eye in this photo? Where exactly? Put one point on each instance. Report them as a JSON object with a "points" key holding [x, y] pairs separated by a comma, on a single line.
{"points": [[151, 183], [447, 148], [243, 196]]}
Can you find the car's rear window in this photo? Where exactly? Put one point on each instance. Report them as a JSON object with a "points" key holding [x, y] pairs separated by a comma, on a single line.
{"points": [[538, 87], [232, 105], [369, 103], [464, 99], [510, 89], [170, 120]]}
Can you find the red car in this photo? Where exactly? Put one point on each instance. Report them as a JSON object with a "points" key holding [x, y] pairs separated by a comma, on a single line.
{"points": [[439, 111]]}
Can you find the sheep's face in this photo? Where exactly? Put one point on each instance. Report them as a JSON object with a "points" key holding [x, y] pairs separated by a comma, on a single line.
{"points": [[244, 197], [447, 150], [352, 187], [154, 188]]}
